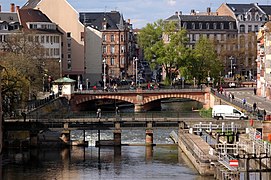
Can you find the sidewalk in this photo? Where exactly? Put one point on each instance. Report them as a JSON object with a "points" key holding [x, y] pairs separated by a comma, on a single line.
{"points": [[248, 94]]}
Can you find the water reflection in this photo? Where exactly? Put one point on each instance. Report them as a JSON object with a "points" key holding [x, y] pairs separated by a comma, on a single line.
{"points": [[129, 162]]}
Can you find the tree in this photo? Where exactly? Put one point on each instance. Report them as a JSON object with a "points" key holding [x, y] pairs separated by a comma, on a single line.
{"points": [[164, 44], [23, 59], [204, 61]]}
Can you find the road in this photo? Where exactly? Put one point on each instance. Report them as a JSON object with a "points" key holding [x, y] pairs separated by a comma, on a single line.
{"points": [[248, 94]]}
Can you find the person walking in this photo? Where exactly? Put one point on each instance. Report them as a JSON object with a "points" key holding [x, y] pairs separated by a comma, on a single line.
{"points": [[254, 107]]}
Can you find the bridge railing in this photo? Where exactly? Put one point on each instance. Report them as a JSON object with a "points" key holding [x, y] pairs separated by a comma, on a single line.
{"points": [[113, 114], [140, 90]]}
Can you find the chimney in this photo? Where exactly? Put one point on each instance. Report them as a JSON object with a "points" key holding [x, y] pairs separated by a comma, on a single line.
{"points": [[17, 8], [176, 13], [0, 8], [12, 7], [208, 10], [180, 13], [193, 12], [128, 20]]}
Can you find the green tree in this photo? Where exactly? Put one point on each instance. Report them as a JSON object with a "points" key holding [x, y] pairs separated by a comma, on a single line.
{"points": [[204, 62], [164, 44]]}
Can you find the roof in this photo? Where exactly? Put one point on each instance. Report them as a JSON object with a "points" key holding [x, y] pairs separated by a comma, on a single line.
{"points": [[241, 8], [95, 19], [31, 4], [64, 80], [266, 9], [9, 17], [201, 18], [33, 15]]}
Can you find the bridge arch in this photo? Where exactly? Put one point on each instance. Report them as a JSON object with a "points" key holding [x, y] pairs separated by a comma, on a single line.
{"points": [[166, 96], [113, 97]]}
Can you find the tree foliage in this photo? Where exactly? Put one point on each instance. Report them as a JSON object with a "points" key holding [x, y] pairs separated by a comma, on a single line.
{"points": [[165, 44], [204, 62], [23, 61]]}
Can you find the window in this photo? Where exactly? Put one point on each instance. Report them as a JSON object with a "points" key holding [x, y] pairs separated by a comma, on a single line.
{"points": [[193, 26], [112, 49], [242, 28], [230, 25], [122, 38], [256, 28], [207, 26], [68, 34], [221, 26], [184, 25], [200, 25], [214, 25], [249, 29], [112, 38], [42, 39], [47, 39], [112, 61], [104, 49], [122, 60], [104, 37], [36, 38], [122, 49], [69, 56]]}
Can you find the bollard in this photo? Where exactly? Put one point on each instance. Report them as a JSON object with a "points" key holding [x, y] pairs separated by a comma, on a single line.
{"points": [[223, 127]]}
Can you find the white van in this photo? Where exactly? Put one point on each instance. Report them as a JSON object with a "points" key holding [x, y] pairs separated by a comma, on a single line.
{"points": [[227, 112]]}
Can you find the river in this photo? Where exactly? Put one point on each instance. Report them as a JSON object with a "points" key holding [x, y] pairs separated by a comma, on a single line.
{"points": [[163, 161]]}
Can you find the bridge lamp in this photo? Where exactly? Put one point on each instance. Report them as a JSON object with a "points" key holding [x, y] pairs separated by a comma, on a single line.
{"points": [[136, 60], [104, 75]]}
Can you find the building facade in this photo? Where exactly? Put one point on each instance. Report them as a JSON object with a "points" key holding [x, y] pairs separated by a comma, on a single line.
{"points": [[219, 29], [9, 24], [249, 18], [264, 61], [117, 47], [66, 17]]}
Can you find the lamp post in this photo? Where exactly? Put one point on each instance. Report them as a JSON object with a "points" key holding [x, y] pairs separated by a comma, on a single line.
{"points": [[104, 75], [231, 59], [136, 71]]}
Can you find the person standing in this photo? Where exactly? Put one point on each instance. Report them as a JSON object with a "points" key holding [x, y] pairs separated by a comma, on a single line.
{"points": [[254, 107], [255, 91]]}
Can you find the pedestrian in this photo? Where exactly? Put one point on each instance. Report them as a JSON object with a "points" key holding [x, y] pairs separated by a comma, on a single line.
{"points": [[221, 89], [244, 101], [255, 91], [254, 107], [232, 96], [264, 114]]}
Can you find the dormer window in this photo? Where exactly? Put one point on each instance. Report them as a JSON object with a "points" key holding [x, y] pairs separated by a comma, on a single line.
{"points": [[193, 26], [184, 25], [221, 26], [214, 25], [200, 25], [207, 26]]}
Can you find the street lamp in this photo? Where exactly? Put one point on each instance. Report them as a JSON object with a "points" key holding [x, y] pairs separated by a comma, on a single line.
{"points": [[104, 75], [135, 60], [231, 59]]}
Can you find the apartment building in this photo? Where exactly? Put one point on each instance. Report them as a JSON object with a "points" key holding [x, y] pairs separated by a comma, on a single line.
{"points": [[219, 29], [117, 41], [249, 18], [9, 24], [66, 18], [264, 61]]}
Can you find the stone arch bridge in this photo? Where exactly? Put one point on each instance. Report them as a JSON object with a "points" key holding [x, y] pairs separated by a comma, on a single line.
{"points": [[142, 99]]}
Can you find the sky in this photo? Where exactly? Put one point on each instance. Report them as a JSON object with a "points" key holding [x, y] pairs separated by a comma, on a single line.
{"points": [[141, 12]]}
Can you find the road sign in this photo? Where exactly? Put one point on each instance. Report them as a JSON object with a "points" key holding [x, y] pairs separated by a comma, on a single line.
{"points": [[234, 162]]}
